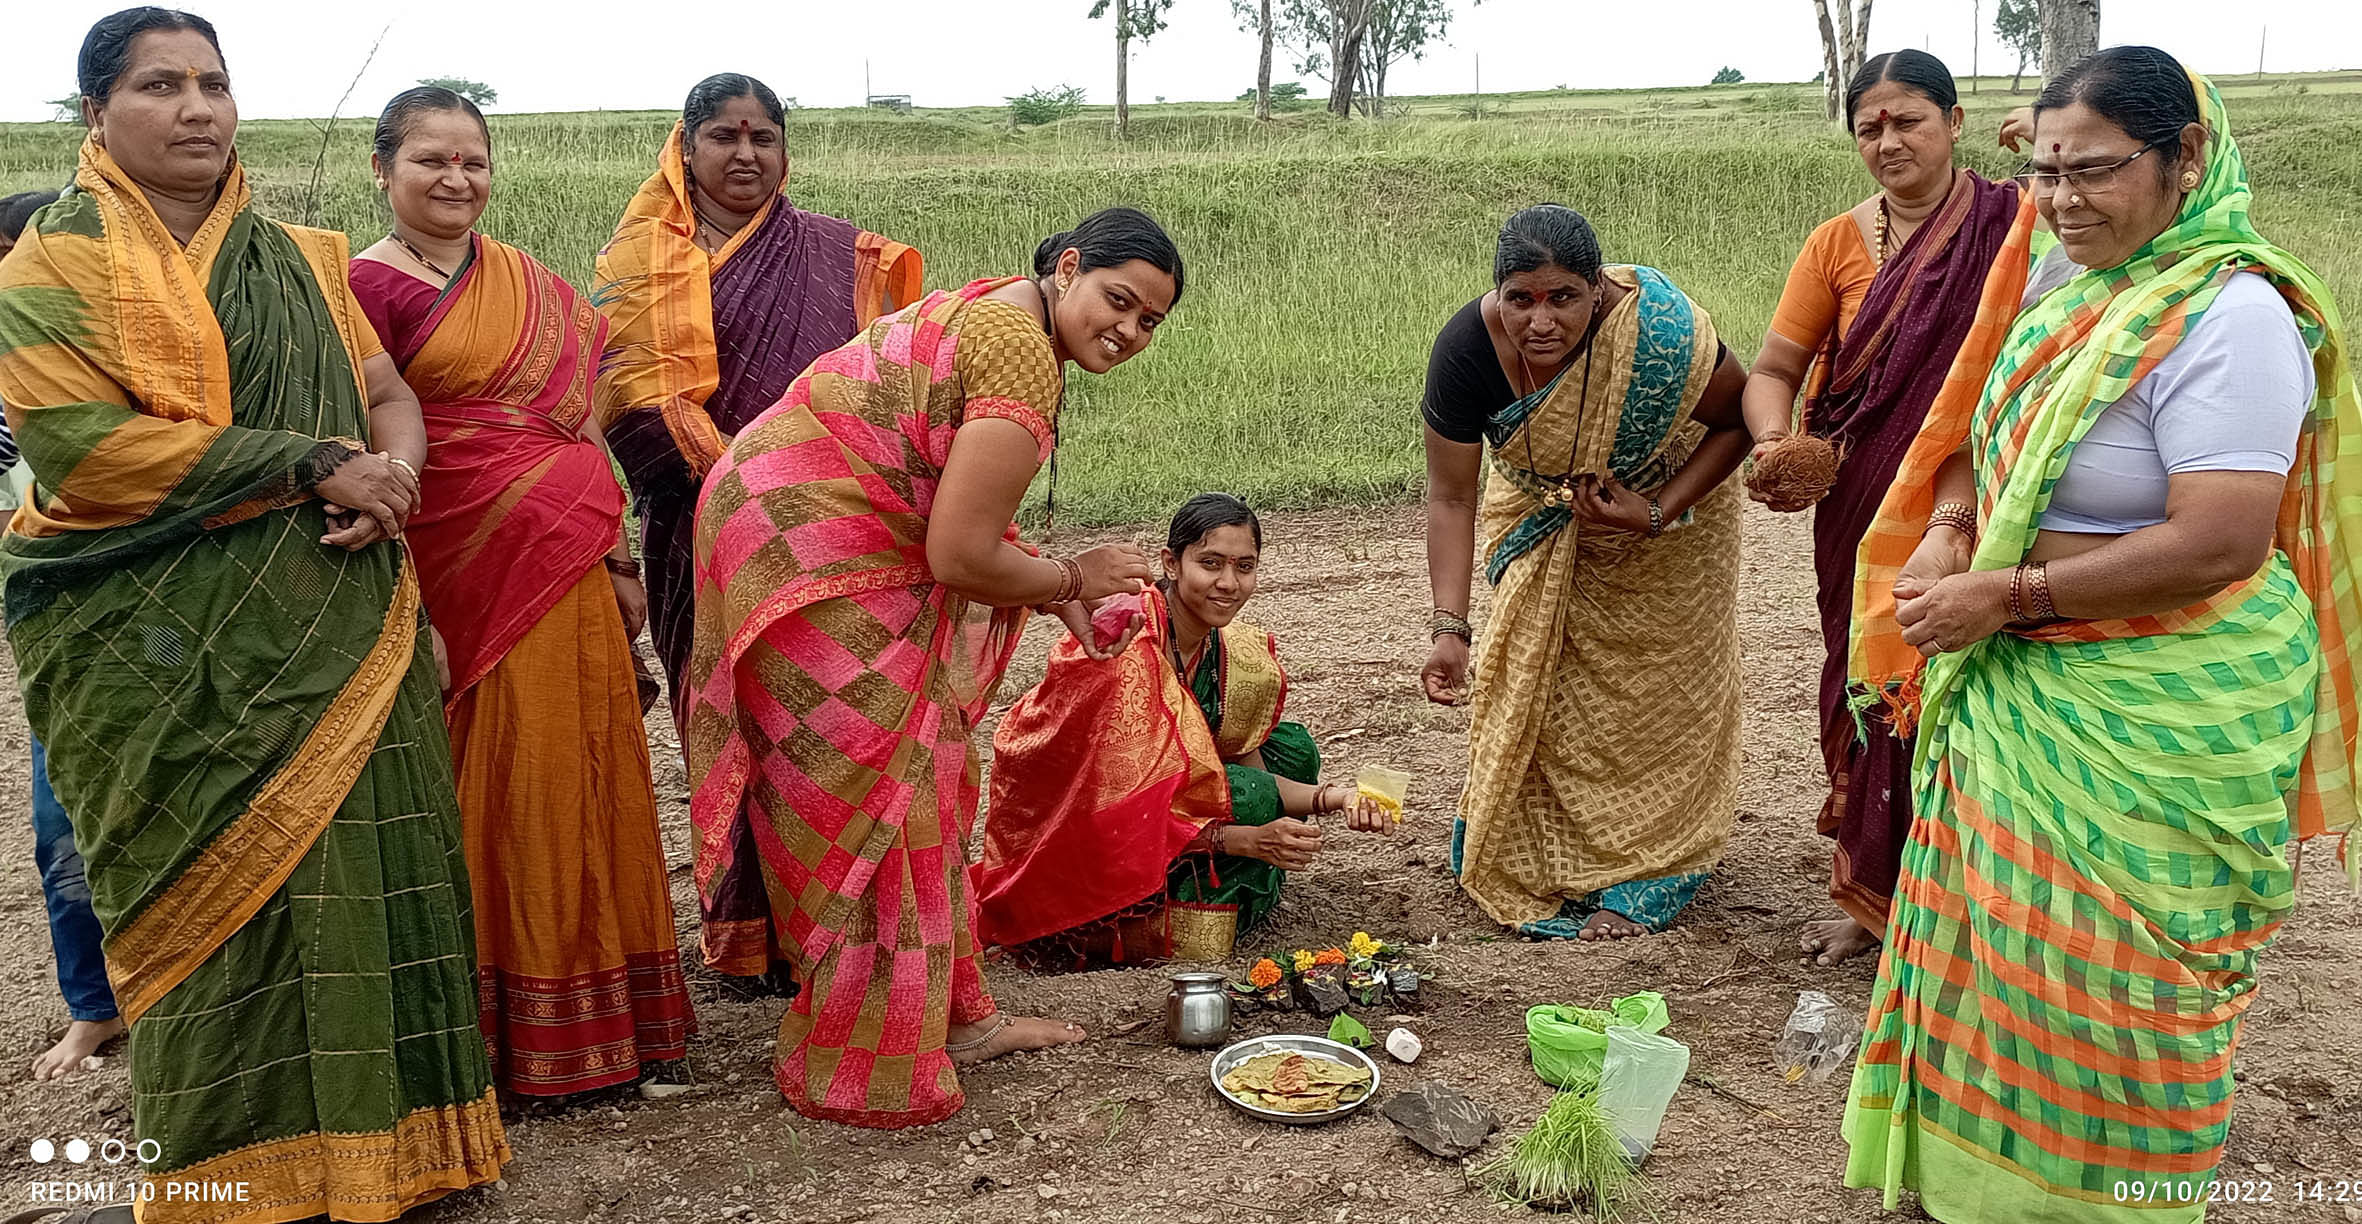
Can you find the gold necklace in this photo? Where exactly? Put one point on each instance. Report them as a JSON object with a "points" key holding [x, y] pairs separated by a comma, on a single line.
{"points": [[1878, 258]]}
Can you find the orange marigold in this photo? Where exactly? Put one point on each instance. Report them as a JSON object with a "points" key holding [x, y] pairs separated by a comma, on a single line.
{"points": [[1264, 975], [1330, 956]]}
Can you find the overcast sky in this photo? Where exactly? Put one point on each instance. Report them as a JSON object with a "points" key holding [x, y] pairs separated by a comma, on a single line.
{"points": [[295, 59]]}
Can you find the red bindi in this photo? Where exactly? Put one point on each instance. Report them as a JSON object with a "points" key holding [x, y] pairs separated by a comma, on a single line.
{"points": [[2054, 148], [1882, 116], [745, 128]]}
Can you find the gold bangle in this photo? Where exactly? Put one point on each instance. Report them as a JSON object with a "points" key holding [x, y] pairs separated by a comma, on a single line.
{"points": [[1959, 516]]}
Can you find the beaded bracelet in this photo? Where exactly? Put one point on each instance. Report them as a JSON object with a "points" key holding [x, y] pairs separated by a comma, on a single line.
{"points": [[1441, 622]]}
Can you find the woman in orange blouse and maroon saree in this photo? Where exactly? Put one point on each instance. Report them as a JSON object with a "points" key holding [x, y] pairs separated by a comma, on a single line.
{"points": [[720, 292], [1877, 304], [529, 582]]}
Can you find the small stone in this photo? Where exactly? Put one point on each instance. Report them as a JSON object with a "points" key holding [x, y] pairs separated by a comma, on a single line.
{"points": [[1441, 1119], [2265, 1167], [658, 1092], [500, 1185], [619, 1126], [1046, 1190], [969, 1159], [1404, 1045], [1028, 1143], [976, 1138], [94, 1063], [1347, 1189], [985, 1135]]}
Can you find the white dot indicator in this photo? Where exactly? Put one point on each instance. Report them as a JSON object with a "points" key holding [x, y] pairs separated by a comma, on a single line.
{"points": [[77, 1150], [43, 1151]]}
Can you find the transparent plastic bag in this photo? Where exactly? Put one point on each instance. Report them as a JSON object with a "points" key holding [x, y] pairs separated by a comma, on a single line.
{"points": [[1637, 1083], [1819, 1038]]}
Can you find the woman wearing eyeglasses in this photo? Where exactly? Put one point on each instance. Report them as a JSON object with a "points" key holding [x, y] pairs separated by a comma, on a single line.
{"points": [[2132, 588], [1875, 308]]}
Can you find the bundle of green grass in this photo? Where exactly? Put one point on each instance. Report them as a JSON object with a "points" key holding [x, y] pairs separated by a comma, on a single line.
{"points": [[1572, 1161]]}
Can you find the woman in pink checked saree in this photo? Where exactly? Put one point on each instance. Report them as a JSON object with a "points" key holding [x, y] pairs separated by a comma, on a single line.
{"points": [[859, 588]]}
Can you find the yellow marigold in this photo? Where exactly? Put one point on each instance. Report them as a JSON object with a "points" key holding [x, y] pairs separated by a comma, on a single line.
{"points": [[1305, 960], [1330, 956], [1264, 975], [1365, 947]]}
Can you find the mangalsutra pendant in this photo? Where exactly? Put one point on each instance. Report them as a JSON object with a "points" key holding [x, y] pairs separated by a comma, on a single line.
{"points": [[1563, 495]]}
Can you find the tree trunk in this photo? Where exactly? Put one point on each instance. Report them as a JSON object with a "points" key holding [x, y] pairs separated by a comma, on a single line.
{"points": [[1353, 29], [1378, 88], [1263, 69], [2070, 31], [1123, 65], [2019, 75], [1832, 89], [1858, 51]]}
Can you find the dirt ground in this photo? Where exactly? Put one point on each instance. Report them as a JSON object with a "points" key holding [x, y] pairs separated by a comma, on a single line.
{"points": [[1126, 1128]]}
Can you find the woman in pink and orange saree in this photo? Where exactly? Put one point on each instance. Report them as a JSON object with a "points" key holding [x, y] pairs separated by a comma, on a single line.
{"points": [[859, 591]]}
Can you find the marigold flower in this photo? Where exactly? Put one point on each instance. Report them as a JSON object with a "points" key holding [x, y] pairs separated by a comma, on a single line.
{"points": [[1305, 961], [1264, 975], [1330, 956], [1365, 947]]}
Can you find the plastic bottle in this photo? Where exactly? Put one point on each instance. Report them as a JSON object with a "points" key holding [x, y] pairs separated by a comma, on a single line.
{"points": [[1819, 1039]]}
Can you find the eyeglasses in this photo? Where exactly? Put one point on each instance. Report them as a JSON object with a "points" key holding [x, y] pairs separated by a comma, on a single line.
{"points": [[2091, 180]]}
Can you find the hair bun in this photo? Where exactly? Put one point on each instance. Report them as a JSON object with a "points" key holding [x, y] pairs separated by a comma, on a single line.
{"points": [[1045, 256]]}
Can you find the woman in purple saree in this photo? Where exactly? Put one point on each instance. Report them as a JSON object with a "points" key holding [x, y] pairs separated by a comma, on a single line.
{"points": [[719, 292], [1875, 308]]}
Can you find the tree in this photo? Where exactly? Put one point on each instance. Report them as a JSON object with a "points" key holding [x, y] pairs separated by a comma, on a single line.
{"points": [[474, 91], [1841, 48], [69, 108], [1254, 16], [1139, 19], [2019, 25], [1400, 30], [1352, 43], [1728, 76], [2070, 31]]}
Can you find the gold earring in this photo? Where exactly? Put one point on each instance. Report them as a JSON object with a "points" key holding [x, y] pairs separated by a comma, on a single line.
{"points": [[2189, 180], [1065, 283]]}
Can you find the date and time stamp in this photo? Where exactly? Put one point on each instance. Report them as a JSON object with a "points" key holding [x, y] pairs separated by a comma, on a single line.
{"points": [[2332, 1193]]}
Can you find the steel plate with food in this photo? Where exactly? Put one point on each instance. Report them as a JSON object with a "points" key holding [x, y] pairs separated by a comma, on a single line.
{"points": [[1295, 1080]]}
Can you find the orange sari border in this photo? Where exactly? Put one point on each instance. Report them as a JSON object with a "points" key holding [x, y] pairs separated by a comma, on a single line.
{"points": [[370, 1178], [247, 864]]}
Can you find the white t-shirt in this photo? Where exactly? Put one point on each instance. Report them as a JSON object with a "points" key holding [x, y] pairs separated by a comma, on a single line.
{"points": [[2231, 397]]}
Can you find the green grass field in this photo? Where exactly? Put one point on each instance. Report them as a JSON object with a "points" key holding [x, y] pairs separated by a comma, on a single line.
{"points": [[1322, 256]]}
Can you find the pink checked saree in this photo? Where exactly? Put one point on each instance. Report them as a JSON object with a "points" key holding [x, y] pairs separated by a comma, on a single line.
{"points": [[833, 685]]}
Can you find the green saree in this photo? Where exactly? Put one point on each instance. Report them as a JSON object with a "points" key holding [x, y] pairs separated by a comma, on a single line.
{"points": [[246, 723]]}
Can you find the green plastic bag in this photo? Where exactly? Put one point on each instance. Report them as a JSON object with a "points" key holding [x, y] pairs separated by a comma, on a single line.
{"points": [[1568, 1052]]}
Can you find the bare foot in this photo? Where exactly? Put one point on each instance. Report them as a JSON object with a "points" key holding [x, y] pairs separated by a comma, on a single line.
{"points": [[82, 1039], [1833, 941], [1608, 924], [1002, 1034]]}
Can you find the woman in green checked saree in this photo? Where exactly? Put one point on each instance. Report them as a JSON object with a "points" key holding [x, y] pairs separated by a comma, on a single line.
{"points": [[2125, 546], [221, 646]]}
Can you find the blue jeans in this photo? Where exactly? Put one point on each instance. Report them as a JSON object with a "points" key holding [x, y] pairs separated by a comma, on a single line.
{"points": [[73, 928]]}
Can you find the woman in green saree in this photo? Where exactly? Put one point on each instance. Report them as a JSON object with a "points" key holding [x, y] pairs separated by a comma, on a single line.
{"points": [[221, 645]]}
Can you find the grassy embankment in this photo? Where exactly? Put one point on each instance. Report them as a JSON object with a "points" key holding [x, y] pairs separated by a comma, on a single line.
{"points": [[1322, 257]]}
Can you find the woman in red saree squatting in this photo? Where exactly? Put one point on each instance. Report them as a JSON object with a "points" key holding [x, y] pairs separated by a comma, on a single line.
{"points": [[720, 292], [859, 591], [1875, 308], [529, 581], [1164, 779]]}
